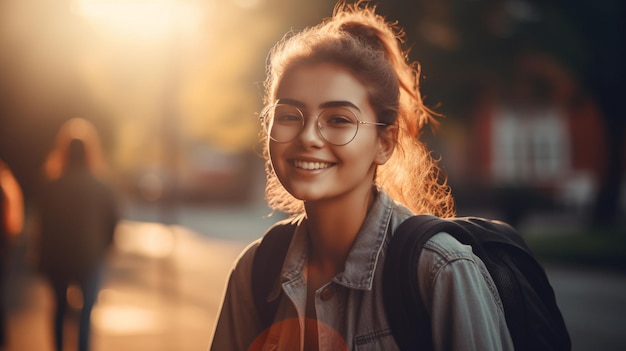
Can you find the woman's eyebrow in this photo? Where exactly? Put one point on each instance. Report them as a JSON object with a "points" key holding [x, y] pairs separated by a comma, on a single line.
{"points": [[339, 104], [293, 102], [302, 105]]}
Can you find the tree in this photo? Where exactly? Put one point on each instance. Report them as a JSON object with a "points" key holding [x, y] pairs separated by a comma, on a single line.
{"points": [[601, 26]]}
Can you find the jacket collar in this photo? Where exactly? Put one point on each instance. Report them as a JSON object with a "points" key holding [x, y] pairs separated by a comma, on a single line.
{"points": [[363, 257]]}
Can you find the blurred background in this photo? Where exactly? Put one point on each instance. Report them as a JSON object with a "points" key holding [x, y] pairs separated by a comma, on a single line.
{"points": [[532, 132]]}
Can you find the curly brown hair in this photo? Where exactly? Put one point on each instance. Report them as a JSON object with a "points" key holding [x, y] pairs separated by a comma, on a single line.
{"points": [[363, 42]]}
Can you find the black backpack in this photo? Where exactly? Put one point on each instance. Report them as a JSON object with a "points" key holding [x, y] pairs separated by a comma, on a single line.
{"points": [[532, 315]]}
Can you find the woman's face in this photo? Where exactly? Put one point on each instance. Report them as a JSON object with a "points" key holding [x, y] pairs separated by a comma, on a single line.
{"points": [[310, 168]]}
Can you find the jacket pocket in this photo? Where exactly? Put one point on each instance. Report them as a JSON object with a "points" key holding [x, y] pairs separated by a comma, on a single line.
{"points": [[376, 340]]}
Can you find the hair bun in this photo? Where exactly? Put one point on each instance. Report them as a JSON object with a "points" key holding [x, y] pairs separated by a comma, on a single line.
{"points": [[366, 34]]}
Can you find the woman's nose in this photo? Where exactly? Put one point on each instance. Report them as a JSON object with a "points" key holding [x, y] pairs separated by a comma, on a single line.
{"points": [[310, 135]]}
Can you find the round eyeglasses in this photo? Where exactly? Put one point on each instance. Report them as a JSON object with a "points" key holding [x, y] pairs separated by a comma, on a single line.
{"points": [[337, 125]]}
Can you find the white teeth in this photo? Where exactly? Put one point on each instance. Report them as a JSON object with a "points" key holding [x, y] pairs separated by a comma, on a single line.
{"points": [[311, 165]]}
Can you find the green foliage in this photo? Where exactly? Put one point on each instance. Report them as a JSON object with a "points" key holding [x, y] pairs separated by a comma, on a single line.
{"points": [[594, 247]]}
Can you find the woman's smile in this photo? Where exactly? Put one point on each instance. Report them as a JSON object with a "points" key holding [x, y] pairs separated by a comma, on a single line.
{"points": [[311, 165]]}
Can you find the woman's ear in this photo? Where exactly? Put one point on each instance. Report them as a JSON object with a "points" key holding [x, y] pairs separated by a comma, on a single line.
{"points": [[387, 140]]}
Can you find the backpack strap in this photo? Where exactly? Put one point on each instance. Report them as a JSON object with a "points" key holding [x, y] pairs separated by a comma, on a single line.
{"points": [[266, 266], [406, 313]]}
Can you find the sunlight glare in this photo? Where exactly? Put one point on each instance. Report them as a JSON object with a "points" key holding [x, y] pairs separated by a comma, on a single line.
{"points": [[126, 320], [248, 4], [144, 238], [143, 18]]}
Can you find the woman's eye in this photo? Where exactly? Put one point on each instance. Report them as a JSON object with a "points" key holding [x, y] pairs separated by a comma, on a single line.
{"points": [[287, 117], [338, 119]]}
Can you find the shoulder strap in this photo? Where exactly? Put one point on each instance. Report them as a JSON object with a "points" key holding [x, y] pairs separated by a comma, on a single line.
{"points": [[267, 264], [407, 315], [408, 318]]}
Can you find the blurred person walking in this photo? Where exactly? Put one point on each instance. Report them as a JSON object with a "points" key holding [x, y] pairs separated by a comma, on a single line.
{"points": [[77, 215], [11, 224]]}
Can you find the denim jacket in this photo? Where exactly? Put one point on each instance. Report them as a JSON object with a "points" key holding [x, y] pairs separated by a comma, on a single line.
{"points": [[466, 311]]}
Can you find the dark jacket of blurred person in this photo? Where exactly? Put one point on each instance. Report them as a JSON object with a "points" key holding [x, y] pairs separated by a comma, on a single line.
{"points": [[77, 218], [11, 224]]}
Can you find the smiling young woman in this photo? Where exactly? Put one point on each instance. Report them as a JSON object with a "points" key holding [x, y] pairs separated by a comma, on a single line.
{"points": [[342, 119], [309, 167]]}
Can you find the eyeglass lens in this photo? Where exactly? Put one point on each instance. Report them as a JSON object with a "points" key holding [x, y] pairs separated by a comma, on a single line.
{"points": [[337, 125]]}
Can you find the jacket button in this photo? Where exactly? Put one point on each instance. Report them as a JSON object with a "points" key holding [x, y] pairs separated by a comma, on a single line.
{"points": [[327, 293]]}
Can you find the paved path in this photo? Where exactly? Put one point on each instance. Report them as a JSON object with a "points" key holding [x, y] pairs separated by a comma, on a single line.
{"points": [[148, 302], [593, 304]]}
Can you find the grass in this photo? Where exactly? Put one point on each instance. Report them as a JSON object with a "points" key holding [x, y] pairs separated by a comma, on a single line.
{"points": [[594, 247]]}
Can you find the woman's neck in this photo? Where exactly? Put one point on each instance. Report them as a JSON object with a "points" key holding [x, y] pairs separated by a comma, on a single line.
{"points": [[332, 227]]}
